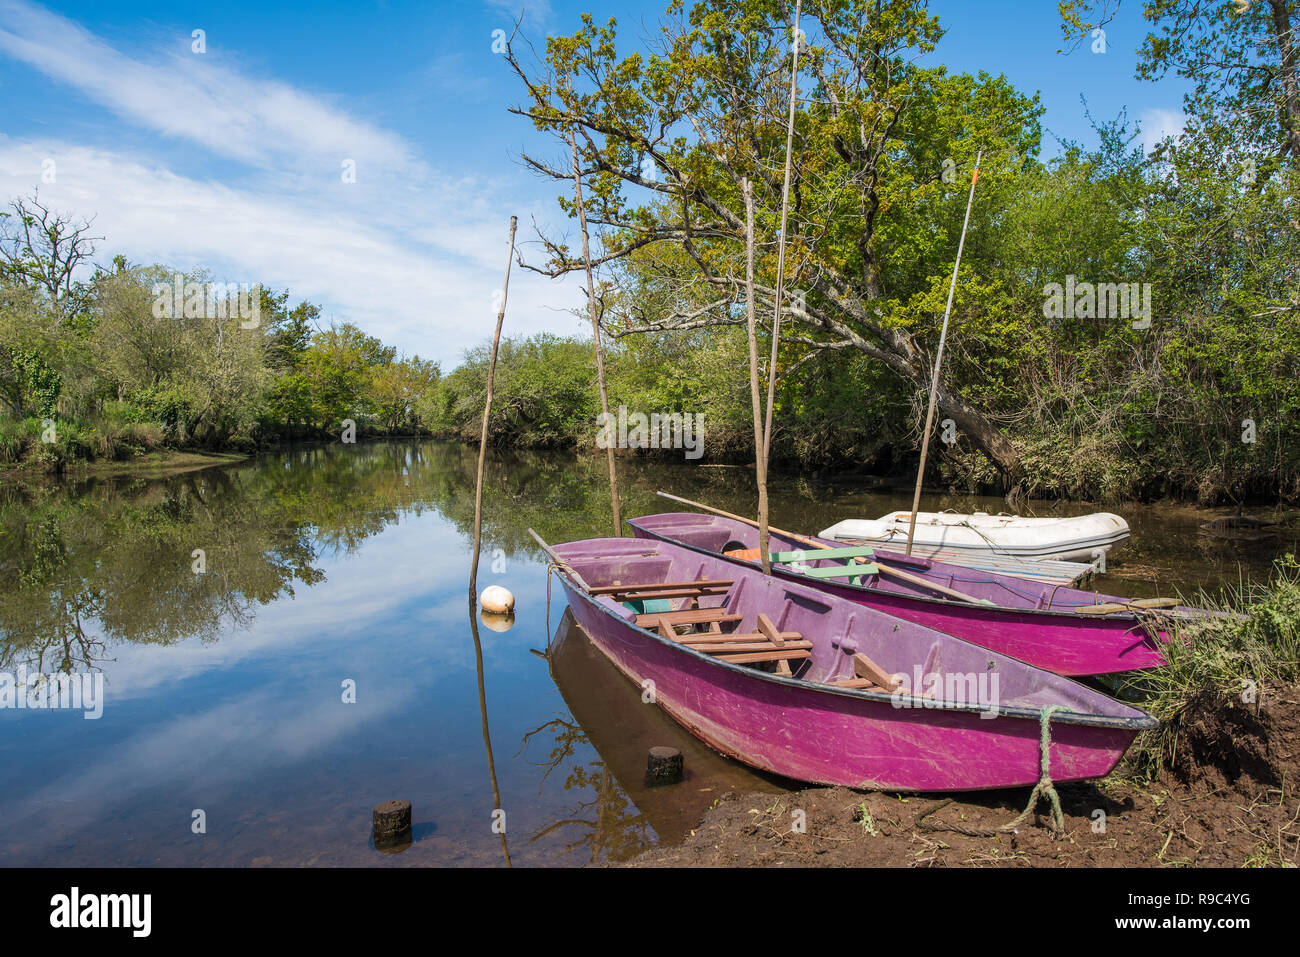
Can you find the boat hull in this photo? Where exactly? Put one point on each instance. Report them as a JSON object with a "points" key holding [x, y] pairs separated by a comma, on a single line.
{"points": [[1059, 641], [1065, 644], [857, 739]]}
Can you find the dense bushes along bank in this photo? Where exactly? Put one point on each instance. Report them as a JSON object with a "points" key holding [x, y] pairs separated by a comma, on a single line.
{"points": [[848, 413], [90, 371]]}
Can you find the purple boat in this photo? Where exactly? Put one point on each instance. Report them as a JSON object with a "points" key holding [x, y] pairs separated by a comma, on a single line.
{"points": [[958, 717], [1032, 621]]}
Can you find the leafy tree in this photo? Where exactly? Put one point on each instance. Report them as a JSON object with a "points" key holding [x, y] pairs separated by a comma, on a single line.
{"points": [[872, 132], [43, 250], [397, 389]]}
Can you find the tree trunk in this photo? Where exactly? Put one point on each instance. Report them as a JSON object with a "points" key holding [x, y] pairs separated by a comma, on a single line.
{"points": [[1284, 34], [986, 436], [595, 338]]}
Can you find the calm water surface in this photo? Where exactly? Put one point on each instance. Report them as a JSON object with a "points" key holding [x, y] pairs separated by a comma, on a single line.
{"points": [[348, 565]]}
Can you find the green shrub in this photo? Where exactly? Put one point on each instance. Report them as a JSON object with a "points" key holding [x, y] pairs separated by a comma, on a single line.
{"points": [[1252, 640], [13, 440]]}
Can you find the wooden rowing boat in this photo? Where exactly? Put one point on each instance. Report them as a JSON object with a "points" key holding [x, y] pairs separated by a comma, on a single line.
{"points": [[869, 700], [1065, 630]]}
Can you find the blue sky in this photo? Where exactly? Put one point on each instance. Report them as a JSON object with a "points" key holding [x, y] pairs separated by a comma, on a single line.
{"points": [[232, 158]]}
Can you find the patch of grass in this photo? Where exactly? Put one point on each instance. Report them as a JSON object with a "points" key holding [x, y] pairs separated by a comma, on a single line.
{"points": [[13, 440], [113, 437], [1252, 640]]}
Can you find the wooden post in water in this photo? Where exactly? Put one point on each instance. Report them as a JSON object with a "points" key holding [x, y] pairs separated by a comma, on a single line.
{"points": [[595, 336], [780, 287], [938, 358], [391, 824], [760, 462], [487, 411]]}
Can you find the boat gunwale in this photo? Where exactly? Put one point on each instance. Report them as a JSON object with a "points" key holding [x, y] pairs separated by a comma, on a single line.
{"points": [[1142, 722], [948, 602]]}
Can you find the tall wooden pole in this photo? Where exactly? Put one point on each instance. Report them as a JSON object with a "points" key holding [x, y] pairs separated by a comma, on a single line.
{"points": [[595, 337], [478, 532], [760, 461], [938, 358], [780, 283], [487, 411]]}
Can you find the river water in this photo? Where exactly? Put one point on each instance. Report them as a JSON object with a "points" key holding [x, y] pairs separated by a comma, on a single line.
{"points": [[286, 642]]}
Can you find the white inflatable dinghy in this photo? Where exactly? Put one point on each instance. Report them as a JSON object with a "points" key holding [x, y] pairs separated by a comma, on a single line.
{"points": [[1082, 538]]}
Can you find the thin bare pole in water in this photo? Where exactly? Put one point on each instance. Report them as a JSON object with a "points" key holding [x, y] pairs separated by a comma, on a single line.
{"points": [[938, 358], [751, 321], [478, 538], [487, 411], [780, 286]]}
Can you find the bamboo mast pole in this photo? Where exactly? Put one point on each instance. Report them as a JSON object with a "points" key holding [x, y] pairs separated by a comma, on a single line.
{"points": [[780, 287], [595, 337], [760, 460], [487, 410], [938, 359]]}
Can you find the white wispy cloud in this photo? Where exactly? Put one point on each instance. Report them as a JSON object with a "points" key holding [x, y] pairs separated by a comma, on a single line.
{"points": [[193, 96], [1157, 124], [409, 252], [535, 13]]}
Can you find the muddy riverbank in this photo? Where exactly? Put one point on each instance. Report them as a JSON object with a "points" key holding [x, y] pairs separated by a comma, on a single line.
{"points": [[1229, 801]]}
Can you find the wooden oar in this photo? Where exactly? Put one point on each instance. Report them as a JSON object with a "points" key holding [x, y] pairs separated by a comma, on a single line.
{"points": [[813, 543], [1111, 607]]}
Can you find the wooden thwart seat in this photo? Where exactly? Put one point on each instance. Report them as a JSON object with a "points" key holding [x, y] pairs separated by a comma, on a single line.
{"points": [[725, 647], [707, 638], [758, 656], [714, 586], [766, 645], [687, 616]]}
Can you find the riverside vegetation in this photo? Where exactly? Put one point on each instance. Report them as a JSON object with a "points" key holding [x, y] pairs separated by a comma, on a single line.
{"points": [[1193, 391]]}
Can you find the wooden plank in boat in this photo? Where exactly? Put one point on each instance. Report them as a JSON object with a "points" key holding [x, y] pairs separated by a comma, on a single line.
{"points": [[869, 685], [662, 586], [866, 668], [687, 616], [636, 595], [704, 638], [842, 571], [858, 551], [757, 656], [731, 647], [769, 630]]}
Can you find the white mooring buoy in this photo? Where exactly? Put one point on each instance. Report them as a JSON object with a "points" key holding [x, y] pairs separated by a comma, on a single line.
{"points": [[497, 600]]}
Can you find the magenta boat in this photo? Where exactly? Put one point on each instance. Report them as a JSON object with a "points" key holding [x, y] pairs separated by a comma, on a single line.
{"points": [[962, 718], [1029, 620]]}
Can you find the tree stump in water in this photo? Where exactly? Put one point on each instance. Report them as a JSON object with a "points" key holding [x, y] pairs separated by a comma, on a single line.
{"points": [[664, 766], [392, 823]]}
